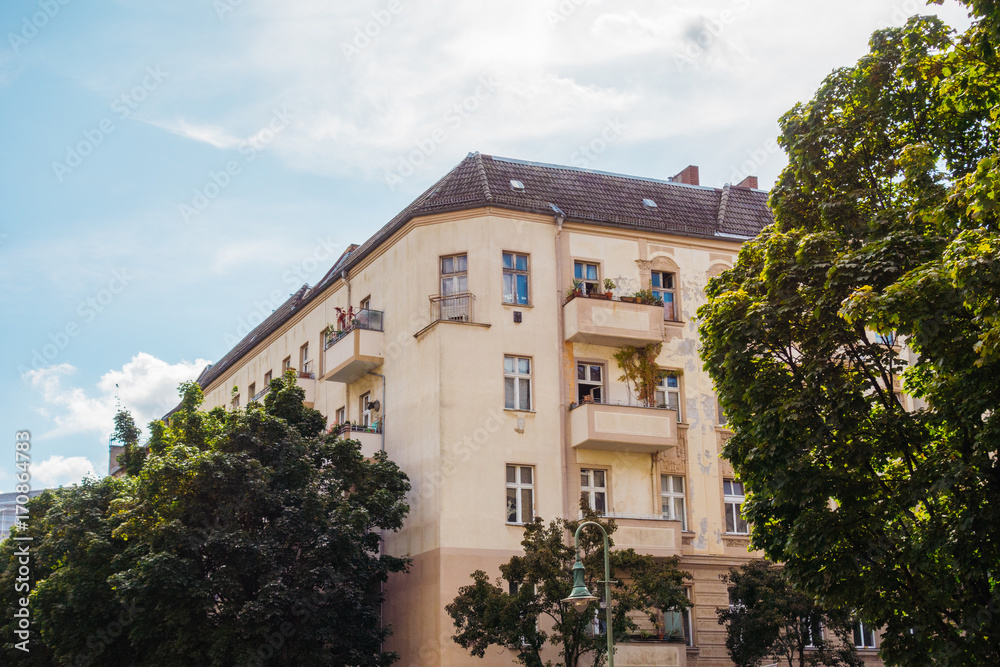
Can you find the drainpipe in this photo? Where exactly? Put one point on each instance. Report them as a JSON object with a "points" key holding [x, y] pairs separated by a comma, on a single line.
{"points": [[381, 533], [559, 218]]}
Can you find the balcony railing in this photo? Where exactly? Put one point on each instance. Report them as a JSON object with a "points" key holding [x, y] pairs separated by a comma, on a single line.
{"points": [[453, 307], [260, 394], [366, 318]]}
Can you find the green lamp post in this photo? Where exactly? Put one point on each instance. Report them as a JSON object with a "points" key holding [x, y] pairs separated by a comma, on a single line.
{"points": [[580, 597]]}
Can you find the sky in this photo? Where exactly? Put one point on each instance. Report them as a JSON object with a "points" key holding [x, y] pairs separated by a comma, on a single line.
{"points": [[170, 172]]}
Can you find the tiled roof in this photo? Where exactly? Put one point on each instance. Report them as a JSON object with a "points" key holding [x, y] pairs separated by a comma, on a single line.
{"points": [[581, 195]]}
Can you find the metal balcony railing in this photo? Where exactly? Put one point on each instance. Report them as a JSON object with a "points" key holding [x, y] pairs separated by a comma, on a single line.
{"points": [[366, 318], [456, 307], [260, 394]]}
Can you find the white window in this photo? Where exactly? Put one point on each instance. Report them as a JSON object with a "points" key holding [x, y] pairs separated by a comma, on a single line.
{"points": [[594, 489], [686, 616], [341, 415], [517, 383], [734, 496], [672, 499], [590, 383], [665, 290], [520, 494], [366, 408], [305, 365], [515, 278], [677, 623], [668, 392], [812, 629], [864, 635], [588, 274], [454, 274]]}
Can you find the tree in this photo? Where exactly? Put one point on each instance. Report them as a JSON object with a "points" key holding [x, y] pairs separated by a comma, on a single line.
{"points": [[246, 536], [489, 614], [885, 230], [768, 620]]}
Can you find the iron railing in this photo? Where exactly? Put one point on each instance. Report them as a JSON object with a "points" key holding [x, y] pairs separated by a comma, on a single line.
{"points": [[456, 307], [366, 318]]}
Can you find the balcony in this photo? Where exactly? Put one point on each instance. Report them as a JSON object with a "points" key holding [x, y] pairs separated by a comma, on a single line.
{"points": [[356, 349], [622, 428], [651, 535], [453, 307], [370, 437], [612, 323], [650, 654]]}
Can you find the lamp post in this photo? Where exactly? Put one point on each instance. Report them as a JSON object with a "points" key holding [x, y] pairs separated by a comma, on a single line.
{"points": [[580, 597]]}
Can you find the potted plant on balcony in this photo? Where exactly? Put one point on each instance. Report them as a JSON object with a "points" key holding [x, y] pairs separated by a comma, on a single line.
{"points": [[646, 296], [575, 290], [609, 287]]}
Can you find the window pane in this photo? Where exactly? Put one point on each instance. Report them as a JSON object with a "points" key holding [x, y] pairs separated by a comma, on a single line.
{"points": [[668, 281], [463, 283], [581, 372], [738, 488], [508, 288], [858, 642], [524, 366], [599, 478], [664, 484], [522, 288], [526, 504], [508, 394], [591, 272], [512, 505], [508, 364], [584, 478], [672, 381], [656, 279], [526, 475], [460, 263], [595, 373], [679, 511], [525, 395], [741, 524], [522, 262], [578, 270], [730, 524], [511, 474], [599, 505], [678, 484], [508, 260], [447, 264]]}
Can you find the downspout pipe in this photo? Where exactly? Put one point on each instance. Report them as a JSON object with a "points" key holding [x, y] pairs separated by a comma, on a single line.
{"points": [[559, 218], [381, 533]]}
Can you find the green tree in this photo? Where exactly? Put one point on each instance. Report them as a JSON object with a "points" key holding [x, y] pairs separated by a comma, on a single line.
{"points": [[768, 620], [128, 434], [515, 616], [247, 537], [885, 226]]}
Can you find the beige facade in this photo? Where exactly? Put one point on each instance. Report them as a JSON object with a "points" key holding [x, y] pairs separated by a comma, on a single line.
{"points": [[450, 426]]}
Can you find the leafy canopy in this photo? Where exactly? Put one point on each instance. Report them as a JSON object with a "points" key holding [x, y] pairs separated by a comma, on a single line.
{"points": [[244, 537], [885, 226]]}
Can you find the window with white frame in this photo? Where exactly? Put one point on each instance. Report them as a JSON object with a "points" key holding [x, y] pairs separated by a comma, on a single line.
{"points": [[663, 288], [864, 635], [515, 278], [812, 630], [305, 364], [588, 273], [721, 418], [686, 616], [672, 499], [594, 489], [589, 382], [341, 415], [365, 408], [734, 495], [520, 494], [668, 392], [454, 274], [677, 623], [517, 383]]}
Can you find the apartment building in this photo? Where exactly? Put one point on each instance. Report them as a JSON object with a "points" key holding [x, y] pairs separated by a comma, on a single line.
{"points": [[460, 351]]}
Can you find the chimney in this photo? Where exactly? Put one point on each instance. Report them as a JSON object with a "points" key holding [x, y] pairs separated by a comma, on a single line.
{"points": [[748, 182], [689, 175]]}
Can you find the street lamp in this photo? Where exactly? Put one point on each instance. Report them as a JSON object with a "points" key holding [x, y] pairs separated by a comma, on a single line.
{"points": [[580, 597]]}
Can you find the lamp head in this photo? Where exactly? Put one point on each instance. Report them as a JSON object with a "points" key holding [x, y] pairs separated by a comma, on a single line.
{"points": [[579, 597]]}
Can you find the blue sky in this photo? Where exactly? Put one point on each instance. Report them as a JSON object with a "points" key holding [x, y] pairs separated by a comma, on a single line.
{"points": [[171, 171]]}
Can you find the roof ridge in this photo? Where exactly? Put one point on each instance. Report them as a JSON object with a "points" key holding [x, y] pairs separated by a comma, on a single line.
{"points": [[722, 207], [481, 168], [584, 170]]}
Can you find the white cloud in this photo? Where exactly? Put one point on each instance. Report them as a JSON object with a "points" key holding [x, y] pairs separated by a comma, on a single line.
{"points": [[146, 386], [60, 471]]}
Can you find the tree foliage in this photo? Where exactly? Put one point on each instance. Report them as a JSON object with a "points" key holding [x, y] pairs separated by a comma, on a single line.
{"points": [[885, 223], [768, 620], [527, 613], [246, 537]]}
